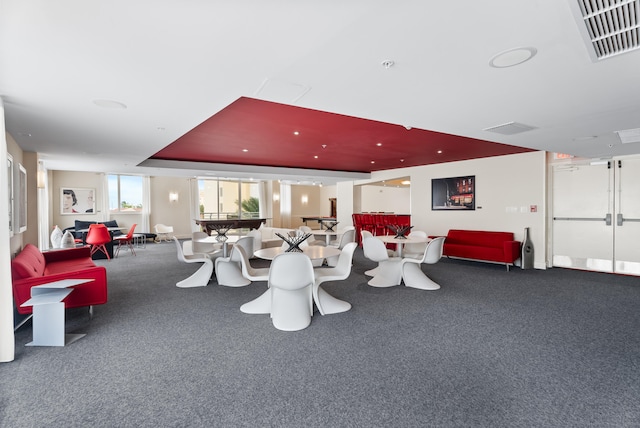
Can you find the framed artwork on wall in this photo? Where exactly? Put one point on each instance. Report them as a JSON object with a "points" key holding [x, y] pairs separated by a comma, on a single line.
{"points": [[22, 197], [455, 193], [76, 200]]}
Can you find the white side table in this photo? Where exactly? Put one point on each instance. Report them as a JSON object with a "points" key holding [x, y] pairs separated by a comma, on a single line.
{"points": [[48, 312]]}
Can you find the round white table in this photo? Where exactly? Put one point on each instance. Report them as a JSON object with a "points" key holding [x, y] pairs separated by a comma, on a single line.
{"points": [[225, 243], [314, 252], [392, 239]]}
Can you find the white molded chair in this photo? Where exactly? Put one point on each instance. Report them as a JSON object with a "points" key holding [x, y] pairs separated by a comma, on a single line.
{"points": [[246, 243], [348, 235], [262, 303], [411, 268], [199, 278], [326, 303], [290, 284], [229, 270], [415, 250], [163, 232], [388, 272], [257, 240]]}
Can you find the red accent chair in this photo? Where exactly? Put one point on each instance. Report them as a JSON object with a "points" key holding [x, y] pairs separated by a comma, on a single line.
{"points": [[97, 237], [125, 240]]}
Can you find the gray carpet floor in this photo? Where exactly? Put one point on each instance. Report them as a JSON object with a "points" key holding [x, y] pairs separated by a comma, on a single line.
{"points": [[491, 348]]}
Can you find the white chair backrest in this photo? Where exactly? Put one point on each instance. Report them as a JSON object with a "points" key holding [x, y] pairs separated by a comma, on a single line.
{"points": [[374, 249], [349, 235], [291, 271], [417, 234], [180, 253], [345, 260], [246, 243], [161, 228], [257, 239], [305, 229], [366, 234], [201, 247], [434, 251]]}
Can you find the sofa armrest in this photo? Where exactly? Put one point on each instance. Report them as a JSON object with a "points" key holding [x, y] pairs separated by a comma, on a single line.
{"points": [[511, 251], [67, 254], [91, 293]]}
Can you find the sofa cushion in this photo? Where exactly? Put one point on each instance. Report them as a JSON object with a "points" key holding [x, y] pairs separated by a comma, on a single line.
{"points": [[71, 265], [29, 263], [112, 223]]}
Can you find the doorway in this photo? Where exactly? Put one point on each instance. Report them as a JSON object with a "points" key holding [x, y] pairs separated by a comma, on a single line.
{"points": [[334, 207], [596, 216]]}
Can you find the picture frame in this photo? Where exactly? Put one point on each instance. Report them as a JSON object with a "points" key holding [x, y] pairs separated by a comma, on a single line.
{"points": [[77, 201], [22, 192], [453, 194]]}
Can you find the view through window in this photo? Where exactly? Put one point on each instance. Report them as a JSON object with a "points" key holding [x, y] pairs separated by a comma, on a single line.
{"points": [[125, 193], [222, 200]]}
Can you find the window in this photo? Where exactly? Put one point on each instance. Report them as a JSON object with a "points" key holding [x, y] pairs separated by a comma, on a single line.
{"points": [[125, 193], [221, 200]]}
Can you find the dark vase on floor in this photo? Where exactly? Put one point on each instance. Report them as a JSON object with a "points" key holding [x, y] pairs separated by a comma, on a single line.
{"points": [[526, 258]]}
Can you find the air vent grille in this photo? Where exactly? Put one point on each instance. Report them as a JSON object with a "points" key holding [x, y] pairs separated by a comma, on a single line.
{"points": [[509, 128], [613, 26]]}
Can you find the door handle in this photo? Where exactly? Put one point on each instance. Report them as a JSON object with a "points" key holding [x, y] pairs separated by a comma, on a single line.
{"points": [[619, 220], [607, 219]]}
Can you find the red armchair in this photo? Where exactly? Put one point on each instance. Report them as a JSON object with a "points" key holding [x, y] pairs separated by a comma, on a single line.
{"points": [[31, 267]]}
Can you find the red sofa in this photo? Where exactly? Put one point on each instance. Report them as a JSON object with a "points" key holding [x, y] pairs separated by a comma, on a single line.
{"points": [[497, 247], [31, 267]]}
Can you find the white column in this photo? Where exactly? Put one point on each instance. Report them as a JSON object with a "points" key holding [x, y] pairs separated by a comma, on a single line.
{"points": [[7, 340]]}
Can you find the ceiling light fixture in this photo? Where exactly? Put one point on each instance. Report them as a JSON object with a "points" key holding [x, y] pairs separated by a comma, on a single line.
{"points": [[245, 150], [296, 133], [387, 63], [379, 144], [512, 57]]}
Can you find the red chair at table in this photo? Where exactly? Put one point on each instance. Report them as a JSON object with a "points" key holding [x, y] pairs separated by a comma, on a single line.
{"points": [[125, 240], [97, 237]]}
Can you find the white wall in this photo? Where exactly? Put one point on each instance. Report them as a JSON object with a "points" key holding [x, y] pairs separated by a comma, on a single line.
{"points": [[387, 199], [506, 188]]}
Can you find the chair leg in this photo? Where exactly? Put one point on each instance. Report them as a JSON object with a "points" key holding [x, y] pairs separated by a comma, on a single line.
{"points": [[414, 277]]}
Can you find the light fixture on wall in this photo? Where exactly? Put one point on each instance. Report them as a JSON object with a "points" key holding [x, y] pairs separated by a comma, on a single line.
{"points": [[40, 177], [276, 197], [173, 197], [304, 199]]}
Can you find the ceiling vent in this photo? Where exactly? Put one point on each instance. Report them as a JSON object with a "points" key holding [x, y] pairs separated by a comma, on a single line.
{"points": [[609, 27], [629, 136], [509, 128]]}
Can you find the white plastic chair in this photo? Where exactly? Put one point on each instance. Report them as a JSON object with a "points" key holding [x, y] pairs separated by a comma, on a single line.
{"points": [[411, 268], [415, 250], [199, 278], [229, 270], [388, 272], [248, 271], [163, 232], [257, 240], [348, 235], [326, 303], [290, 284]]}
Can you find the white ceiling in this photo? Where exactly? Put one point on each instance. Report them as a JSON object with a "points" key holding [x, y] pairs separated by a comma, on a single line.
{"points": [[176, 63]]}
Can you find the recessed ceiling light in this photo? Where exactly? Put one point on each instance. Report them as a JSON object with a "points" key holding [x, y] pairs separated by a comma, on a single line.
{"points": [[245, 150], [109, 104], [315, 157], [405, 182], [296, 133], [401, 160], [379, 144], [512, 57], [373, 161], [439, 151]]}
